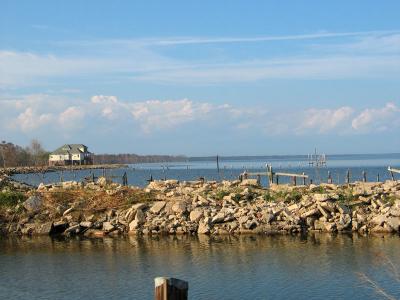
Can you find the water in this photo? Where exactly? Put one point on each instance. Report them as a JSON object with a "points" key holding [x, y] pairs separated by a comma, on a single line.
{"points": [[232, 167], [319, 266]]}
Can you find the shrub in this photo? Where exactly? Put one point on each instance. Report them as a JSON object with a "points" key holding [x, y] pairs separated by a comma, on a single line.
{"points": [[294, 196], [9, 199], [268, 197], [221, 194], [346, 198]]}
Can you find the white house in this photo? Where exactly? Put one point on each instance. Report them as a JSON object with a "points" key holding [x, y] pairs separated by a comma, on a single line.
{"points": [[71, 154]]}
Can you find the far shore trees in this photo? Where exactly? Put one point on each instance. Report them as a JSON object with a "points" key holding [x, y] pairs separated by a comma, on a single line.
{"points": [[12, 155]]}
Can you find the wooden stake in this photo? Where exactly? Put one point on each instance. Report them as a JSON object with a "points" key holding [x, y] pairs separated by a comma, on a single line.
{"points": [[329, 177], [170, 289], [364, 176], [348, 176]]}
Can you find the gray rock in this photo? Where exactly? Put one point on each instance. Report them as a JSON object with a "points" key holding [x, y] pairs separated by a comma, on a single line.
{"points": [[250, 182], [204, 228], [179, 207], [394, 223], [86, 224], [196, 215], [157, 207], [310, 213], [108, 227], [140, 216], [45, 229], [379, 220], [133, 225], [321, 197], [73, 229], [218, 218], [33, 203]]}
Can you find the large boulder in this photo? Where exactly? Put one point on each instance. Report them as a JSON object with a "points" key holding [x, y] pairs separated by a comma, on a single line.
{"points": [[204, 228], [33, 203], [250, 182], [179, 207], [196, 215], [157, 207], [45, 229]]}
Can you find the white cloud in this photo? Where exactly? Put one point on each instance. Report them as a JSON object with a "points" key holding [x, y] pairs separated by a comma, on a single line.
{"points": [[377, 119], [156, 114], [33, 112], [71, 117], [29, 120], [104, 99], [324, 120]]}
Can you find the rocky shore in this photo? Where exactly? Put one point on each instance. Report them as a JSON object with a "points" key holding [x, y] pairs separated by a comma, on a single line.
{"points": [[198, 207], [44, 169]]}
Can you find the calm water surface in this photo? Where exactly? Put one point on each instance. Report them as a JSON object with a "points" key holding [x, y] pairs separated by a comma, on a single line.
{"points": [[231, 167], [247, 267]]}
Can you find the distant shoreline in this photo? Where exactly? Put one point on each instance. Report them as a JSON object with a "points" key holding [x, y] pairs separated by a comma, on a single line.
{"points": [[44, 169]]}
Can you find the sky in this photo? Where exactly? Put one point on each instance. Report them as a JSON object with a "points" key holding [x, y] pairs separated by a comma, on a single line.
{"points": [[202, 77]]}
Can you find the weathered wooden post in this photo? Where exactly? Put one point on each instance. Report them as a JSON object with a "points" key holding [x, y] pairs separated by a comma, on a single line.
{"points": [[377, 178], [170, 289], [304, 179], [348, 176], [277, 179], [364, 176], [294, 180], [329, 177], [258, 178]]}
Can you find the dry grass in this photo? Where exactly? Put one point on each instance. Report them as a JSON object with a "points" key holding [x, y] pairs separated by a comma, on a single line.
{"points": [[85, 199]]}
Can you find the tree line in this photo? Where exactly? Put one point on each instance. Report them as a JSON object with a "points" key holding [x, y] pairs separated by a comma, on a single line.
{"points": [[12, 155]]}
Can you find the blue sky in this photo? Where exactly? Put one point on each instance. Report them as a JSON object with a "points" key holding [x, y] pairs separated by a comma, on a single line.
{"points": [[202, 77]]}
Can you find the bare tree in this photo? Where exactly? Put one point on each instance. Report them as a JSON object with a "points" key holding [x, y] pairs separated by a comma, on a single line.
{"points": [[37, 151]]}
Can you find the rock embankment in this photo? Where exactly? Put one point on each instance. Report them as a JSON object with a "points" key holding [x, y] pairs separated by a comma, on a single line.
{"points": [[45, 169], [197, 207]]}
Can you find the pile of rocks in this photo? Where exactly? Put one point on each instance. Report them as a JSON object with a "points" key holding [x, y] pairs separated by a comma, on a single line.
{"points": [[228, 207]]}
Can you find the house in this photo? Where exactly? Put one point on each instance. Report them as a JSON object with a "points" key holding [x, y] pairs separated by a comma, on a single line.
{"points": [[71, 154]]}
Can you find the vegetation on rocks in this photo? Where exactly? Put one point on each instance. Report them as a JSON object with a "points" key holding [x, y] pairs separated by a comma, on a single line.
{"points": [[199, 207], [11, 198]]}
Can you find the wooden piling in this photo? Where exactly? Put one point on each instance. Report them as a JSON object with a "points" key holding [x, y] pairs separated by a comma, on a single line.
{"points": [[170, 289], [304, 179], [378, 178], [364, 176], [329, 177], [348, 176]]}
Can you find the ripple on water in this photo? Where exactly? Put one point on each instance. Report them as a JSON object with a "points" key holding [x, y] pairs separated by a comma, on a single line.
{"points": [[227, 267]]}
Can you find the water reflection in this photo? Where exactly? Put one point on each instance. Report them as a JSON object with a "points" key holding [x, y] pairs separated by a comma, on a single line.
{"points": [[223, 267]]}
